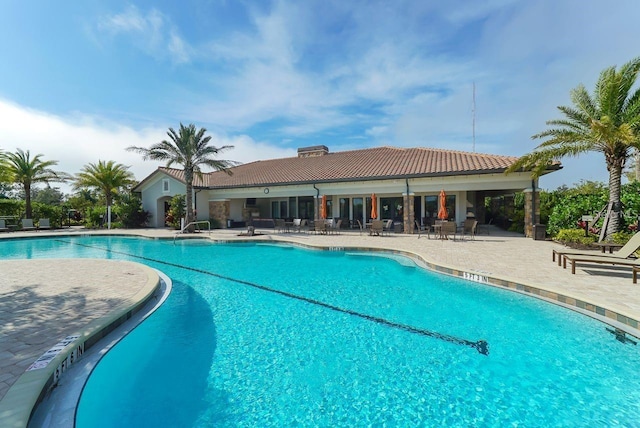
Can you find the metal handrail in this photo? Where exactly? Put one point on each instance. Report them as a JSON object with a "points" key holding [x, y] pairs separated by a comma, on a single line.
{"points": [[193, 223]]}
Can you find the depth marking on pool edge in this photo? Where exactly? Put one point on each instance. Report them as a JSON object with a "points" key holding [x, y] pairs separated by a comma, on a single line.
{"points": [[481, 345]]}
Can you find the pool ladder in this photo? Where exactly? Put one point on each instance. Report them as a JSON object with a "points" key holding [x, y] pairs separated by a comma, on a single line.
{"points": [[194, 223]]}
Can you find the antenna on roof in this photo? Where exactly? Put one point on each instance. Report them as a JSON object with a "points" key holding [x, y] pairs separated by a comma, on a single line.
{"points": [[473, 117]]}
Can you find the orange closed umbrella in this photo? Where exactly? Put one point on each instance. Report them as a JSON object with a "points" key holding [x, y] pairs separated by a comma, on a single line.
{"points": [[323, 207], [442, 211], [374, 206]]}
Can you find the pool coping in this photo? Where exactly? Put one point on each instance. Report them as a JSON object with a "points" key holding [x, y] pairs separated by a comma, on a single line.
{"points": [[23, 397]]}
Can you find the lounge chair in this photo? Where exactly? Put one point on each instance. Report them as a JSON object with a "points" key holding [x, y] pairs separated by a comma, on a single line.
{"points": [[43, 223], [3, 226], [625, 252], [27, 224], [606, 259]]}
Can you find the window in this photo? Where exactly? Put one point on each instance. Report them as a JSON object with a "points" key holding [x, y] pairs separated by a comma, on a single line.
{"points": [[344, 207], [165, 185], [358, 209], [431, 206]]}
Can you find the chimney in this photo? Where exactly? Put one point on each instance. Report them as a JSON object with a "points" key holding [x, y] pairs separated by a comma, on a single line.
{"points": [[312, 151]]}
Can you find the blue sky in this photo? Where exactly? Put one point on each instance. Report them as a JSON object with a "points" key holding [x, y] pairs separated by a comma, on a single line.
{"points": [[82, 80]]}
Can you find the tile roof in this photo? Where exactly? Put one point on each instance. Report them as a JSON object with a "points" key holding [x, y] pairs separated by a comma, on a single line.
{"points": [[355, 165]]}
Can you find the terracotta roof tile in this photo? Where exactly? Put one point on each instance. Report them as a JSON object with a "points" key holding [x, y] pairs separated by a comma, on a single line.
{"points": [[354, 165]]}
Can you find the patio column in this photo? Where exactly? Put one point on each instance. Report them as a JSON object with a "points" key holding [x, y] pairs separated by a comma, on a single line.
{"points": [[531, 204], [409, 212]]}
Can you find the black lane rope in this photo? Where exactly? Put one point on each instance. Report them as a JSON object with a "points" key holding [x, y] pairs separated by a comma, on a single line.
{"points": [[481, 345]]}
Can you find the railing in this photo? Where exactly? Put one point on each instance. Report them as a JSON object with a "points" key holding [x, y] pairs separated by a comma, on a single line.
{"points": [[194, 223]]}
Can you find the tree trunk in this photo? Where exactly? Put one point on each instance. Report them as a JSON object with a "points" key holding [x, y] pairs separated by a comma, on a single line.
{"points": [[188, 176], [615, 182], [27, 200]]}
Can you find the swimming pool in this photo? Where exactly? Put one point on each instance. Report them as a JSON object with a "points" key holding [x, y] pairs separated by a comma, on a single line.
{"points": [[266, 335]]}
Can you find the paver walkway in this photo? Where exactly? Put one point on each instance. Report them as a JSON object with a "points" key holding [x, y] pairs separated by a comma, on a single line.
{"points": [[43, 301]]}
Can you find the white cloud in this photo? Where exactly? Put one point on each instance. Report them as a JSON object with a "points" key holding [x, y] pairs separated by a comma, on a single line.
{"points": [[153, 33], [79, 140]]}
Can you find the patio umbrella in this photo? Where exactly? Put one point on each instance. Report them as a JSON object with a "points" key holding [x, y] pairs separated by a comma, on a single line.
{"points": [[442, 211], [323, 207], [374, 206]]}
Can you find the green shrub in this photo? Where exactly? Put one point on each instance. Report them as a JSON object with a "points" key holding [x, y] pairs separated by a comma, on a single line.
{"points": [[575, 236], [52, 212], [621, 237], [11, 207], [177, 211], [129, 211]]}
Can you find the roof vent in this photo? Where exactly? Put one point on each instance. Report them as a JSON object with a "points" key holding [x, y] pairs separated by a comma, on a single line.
{"points": [[312, 151]]}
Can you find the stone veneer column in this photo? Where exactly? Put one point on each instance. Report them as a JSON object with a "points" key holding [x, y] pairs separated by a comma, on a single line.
{"points": [[409, 212], [220, 211], [531, 198]]}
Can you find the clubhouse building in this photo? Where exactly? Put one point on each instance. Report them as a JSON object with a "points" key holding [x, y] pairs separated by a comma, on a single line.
{"points": [[406, 183]]}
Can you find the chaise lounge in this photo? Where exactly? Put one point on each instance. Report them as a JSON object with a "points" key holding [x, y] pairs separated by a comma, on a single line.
{"points": [[625, 252], [27, 224]]}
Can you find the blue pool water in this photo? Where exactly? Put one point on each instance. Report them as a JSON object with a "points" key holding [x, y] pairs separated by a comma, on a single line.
{"points": [[266, 335]]}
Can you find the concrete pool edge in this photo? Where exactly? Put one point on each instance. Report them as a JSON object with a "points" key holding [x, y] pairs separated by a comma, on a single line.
{"points": [[27, 392], [601, 313]]}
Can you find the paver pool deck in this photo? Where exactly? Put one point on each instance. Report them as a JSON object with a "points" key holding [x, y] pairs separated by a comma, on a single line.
{"points": [[42, 301]]}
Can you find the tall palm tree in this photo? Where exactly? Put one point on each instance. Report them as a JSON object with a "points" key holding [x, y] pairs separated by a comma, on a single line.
{"points": [[190, 148], [106, 177], [607, 122], [27, 171]]}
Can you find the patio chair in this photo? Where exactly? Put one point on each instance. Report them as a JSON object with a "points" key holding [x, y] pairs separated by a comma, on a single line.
{"points": [[3, 226], [420, 229], [297, 225], [280, 225], [27, 224], [320, 227], [469, 228], [485, 227], [360, 226], [388, 227], [448, 228], [377, 228], [626, 252], [43, 223], [335, 227]]}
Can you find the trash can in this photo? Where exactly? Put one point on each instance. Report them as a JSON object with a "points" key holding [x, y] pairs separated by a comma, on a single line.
{"points": [[539, 232]]}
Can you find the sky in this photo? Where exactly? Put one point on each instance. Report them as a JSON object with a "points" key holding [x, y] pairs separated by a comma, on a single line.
{"points": [[81, 80]]}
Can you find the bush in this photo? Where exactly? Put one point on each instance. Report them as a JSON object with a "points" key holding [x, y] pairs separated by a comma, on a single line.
{"points": [[95, 217], [52, 212], [573, 237], [129, 211], [176, 211], [11, 207]]}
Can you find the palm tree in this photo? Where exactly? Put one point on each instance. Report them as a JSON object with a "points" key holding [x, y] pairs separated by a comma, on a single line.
{"points": [[190, 148], [607, 122], [106, 177], [27, 171], [5, 174]]}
